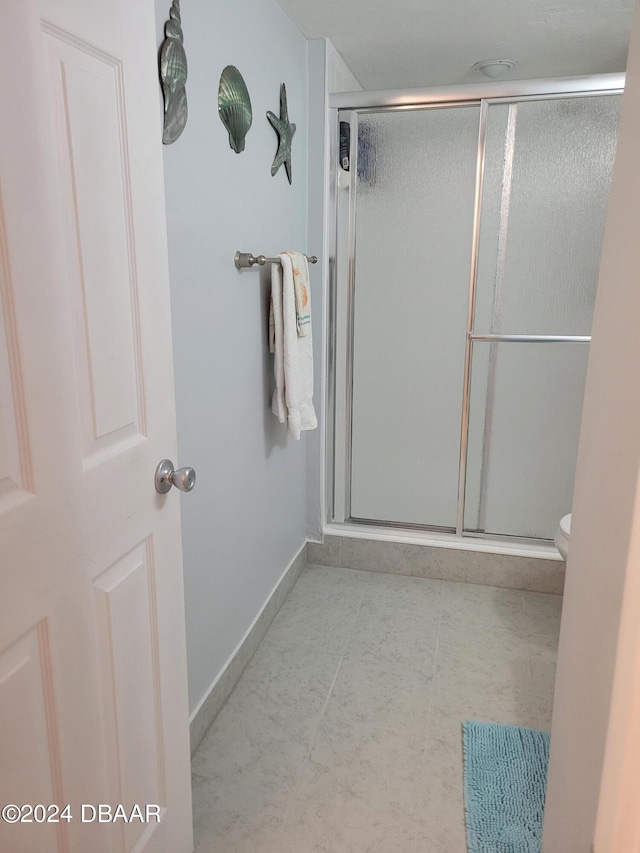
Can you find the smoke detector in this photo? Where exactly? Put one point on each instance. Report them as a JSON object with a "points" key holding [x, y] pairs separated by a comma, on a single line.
{"points": [[493, 68]]}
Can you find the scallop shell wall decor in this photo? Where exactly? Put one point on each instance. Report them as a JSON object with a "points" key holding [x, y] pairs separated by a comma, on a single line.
{"points": [[234, 106]]}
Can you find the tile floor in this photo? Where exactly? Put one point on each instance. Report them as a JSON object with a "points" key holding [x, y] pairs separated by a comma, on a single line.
{"points": [[343, 734]]}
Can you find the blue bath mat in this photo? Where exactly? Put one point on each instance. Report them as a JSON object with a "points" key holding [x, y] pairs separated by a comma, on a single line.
{"points": [[505, 778]]}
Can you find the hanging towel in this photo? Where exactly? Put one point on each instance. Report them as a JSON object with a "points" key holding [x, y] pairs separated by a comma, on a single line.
{"points": [[293, 362], [302, 292], [276, 342]]}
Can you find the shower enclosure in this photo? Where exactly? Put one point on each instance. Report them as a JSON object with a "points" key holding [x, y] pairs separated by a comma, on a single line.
{"points": [[468, 237]]}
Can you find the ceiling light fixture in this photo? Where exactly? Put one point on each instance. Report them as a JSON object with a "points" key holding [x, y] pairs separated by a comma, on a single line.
{"points": [[493, 68]]}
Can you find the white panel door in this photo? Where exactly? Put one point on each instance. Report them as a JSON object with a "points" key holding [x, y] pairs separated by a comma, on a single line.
{"points": [[93, 698]]}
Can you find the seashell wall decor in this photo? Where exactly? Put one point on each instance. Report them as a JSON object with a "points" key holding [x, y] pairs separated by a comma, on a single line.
{"points": [[173, 76], [234, 106]]}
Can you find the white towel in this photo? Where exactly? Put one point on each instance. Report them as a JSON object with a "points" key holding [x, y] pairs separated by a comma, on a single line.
{"points": [[276, 342], [302, 291], [293, 362]]}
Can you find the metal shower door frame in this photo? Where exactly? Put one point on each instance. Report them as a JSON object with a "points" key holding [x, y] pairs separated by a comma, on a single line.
{"points": [[483, 95]]}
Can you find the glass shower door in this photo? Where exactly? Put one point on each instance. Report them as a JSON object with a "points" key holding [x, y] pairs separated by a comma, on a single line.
{"points": [[405, 253], [414, 206], [547, 176]]}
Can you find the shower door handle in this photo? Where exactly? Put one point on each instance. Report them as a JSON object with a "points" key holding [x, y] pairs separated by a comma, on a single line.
{"points": [[165, 477]]}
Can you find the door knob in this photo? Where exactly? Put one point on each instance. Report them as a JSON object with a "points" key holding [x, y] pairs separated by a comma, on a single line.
{"points": [[183, 479]]}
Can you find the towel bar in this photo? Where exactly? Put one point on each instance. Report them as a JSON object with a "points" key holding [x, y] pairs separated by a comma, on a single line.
{"points": [[244, 260]]}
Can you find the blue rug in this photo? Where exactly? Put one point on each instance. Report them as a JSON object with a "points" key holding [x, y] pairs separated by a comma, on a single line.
{"points": [[505, 778]]}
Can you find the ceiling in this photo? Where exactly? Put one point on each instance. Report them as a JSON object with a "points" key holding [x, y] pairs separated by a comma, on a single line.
{"points": [[391, 44]]}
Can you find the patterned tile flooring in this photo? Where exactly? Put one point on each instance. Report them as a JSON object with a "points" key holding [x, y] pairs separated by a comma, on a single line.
{"points": [[343, 734]]}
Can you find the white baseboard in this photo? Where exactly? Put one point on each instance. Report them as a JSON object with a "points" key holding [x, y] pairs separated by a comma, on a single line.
{"points": [[209, 707]]}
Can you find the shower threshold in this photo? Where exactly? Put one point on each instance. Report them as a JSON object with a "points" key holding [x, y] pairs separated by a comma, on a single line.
{"points": [[535, 566], [441, 537]]}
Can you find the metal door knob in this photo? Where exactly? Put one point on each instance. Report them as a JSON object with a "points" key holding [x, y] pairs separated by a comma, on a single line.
{"points": [[183, 479]]}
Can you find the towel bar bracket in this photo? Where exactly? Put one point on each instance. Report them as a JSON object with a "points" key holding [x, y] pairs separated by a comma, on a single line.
{"points": [[245, 260]]}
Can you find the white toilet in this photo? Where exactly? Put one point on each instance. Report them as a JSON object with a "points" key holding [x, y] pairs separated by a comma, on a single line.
{"points": [[562, 535]]}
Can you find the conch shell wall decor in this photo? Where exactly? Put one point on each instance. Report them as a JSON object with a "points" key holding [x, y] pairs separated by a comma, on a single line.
{"points": [[173, 76], [234, 106]]}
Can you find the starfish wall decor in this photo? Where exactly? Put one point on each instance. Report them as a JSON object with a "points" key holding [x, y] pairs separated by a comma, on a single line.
{"points": [[285, 131]]}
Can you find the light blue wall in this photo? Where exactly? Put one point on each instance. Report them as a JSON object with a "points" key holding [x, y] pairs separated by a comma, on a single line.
{"points": [[246, 518]]}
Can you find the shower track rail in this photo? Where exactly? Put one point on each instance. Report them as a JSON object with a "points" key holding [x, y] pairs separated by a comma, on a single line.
{"points": [[532, 339], [481, 94]]}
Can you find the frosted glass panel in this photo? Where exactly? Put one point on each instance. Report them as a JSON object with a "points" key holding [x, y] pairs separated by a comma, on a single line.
{"points": [[526, 405], [548, 167], [414, 220]]}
